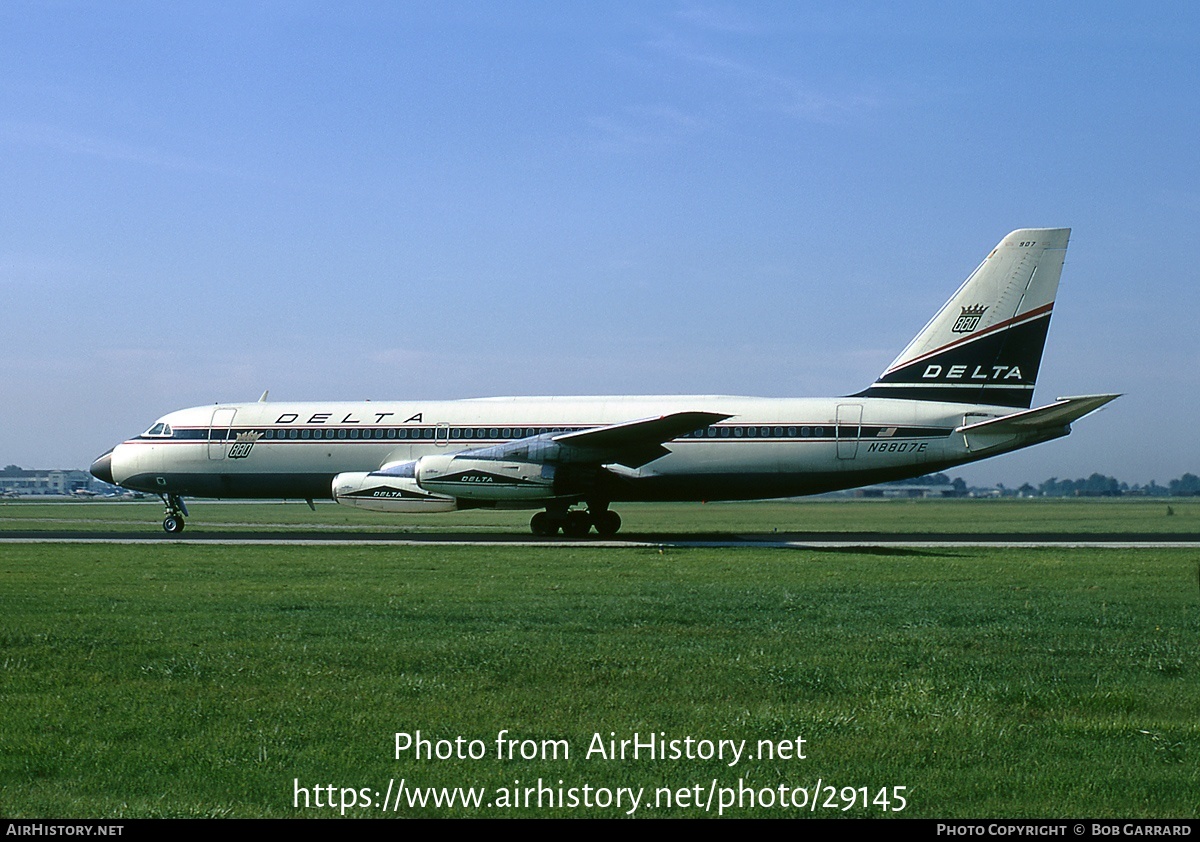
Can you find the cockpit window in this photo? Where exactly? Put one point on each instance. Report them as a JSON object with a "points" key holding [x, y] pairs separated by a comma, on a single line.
{"points": [[159, 430]]}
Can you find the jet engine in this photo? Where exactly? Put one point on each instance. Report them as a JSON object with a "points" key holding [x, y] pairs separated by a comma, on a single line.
{"points": [[384, 493], [484, 479]]}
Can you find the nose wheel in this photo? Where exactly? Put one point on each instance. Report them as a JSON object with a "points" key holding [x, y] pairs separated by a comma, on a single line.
{"points": [[173, 523]]}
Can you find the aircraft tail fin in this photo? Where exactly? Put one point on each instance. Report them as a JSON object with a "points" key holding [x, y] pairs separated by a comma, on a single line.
{"points": [[985, 344]]}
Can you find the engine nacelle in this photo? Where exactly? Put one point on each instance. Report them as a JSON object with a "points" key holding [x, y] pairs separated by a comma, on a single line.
{"points": [[384, 493], [485, 479]]}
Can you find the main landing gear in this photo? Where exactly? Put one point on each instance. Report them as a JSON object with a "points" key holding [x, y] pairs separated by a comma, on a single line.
{"points": [[176, 510], [576, 524]]}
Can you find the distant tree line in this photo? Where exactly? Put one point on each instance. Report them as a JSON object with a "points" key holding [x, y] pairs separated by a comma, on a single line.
{"points": [[1097, 485]]}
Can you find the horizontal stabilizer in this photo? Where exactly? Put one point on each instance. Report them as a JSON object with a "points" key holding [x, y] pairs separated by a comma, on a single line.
{"points": [[1062, 412]]}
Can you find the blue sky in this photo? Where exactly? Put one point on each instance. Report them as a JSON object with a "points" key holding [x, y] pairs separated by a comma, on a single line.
{"points": [[405, 201]]}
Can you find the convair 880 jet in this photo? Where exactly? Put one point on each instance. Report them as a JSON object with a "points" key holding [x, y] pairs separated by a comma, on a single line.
{"points": [[961, 391]]}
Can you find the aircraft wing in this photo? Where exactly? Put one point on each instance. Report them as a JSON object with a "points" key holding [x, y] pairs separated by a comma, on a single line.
{"points": [[630, 443], [1061, 413], [640, 433]]}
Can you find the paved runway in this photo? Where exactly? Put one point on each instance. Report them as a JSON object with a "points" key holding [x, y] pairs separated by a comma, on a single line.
{"points": [[633, 539]]}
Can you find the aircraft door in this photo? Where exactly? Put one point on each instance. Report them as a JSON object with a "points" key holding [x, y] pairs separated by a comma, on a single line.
{"points": [[218, 432], [441, 434], [849, 429]]}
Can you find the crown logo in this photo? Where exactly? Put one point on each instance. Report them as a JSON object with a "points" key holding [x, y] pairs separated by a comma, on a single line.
{"points": [[244, 443], [968, 320]]}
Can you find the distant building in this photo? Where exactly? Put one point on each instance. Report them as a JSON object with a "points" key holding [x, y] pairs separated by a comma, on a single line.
{"points": [[887, 490], [18, 482]]}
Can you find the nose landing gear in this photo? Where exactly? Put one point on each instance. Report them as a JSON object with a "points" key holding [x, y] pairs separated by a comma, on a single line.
{"points": [[173, 523]]}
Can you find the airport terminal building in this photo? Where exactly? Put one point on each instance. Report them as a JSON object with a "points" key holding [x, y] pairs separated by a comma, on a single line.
{"points": [[19, 482]]}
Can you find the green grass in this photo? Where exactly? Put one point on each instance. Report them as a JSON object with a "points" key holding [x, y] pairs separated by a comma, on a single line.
{"points": [[159, 680], [820, 515]]}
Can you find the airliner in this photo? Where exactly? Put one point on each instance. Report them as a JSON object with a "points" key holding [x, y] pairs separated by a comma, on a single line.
{"points": [[962, 390]]}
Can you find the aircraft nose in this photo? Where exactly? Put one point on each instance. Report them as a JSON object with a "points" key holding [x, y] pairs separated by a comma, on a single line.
{"points": [[102, 468]]}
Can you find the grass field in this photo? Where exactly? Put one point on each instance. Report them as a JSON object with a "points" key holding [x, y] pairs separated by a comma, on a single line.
{"points": [[819, 515], [159, 680]]}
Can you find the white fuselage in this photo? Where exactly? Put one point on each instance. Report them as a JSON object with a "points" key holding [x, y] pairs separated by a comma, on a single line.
{"points": [[767, 448]]}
